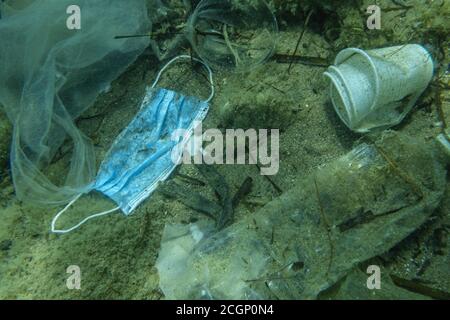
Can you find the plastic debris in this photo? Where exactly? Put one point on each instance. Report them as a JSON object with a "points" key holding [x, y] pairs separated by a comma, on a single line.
{"points": [[376, 89], [305, 241], [233, 34], [142, 156], [50, 74]]}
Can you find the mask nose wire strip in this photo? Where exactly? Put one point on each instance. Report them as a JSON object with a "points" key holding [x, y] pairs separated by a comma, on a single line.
{"points": [[54, 230], [58, 215], [210, 73]]}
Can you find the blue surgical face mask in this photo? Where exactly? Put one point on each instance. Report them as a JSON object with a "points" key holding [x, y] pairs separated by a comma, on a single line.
{"points": [[142, 155]]}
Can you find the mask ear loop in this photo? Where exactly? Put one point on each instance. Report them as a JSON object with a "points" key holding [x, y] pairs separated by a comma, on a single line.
{"points": [[58, 215], [210, 73], [54, 230]]}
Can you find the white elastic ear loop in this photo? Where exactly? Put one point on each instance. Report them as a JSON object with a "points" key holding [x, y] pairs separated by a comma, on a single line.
{"points": [[190, 58], [82, 222]]}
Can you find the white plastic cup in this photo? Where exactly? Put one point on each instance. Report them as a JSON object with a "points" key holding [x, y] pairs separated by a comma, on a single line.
{"points": [[376, 89]]}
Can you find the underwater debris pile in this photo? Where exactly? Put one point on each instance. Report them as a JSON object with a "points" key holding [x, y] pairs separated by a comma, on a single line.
{"points": [[118, 256], [45, 85], [305, 241]]}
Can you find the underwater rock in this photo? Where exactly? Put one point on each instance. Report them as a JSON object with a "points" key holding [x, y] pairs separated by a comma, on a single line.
{"points": [[308, 239]]}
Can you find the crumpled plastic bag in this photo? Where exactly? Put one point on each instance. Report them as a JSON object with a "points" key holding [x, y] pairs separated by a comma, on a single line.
{"points": [[49, 75], [302, 243], [234, 35]]}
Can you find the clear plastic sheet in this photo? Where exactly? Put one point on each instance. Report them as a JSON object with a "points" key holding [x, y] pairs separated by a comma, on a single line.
{"points": [[302, 243], [49, 75], [233, 34]]}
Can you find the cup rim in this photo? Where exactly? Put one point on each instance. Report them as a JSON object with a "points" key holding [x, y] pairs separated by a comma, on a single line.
{"points": [[347, 54]]}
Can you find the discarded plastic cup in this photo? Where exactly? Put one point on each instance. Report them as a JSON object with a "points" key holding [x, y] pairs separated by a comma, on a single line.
{"points": [[236, 35], [376, 89]]}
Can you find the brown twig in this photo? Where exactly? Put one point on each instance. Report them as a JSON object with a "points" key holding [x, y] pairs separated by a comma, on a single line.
{"points": [[300, 38], [305, 60]]}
